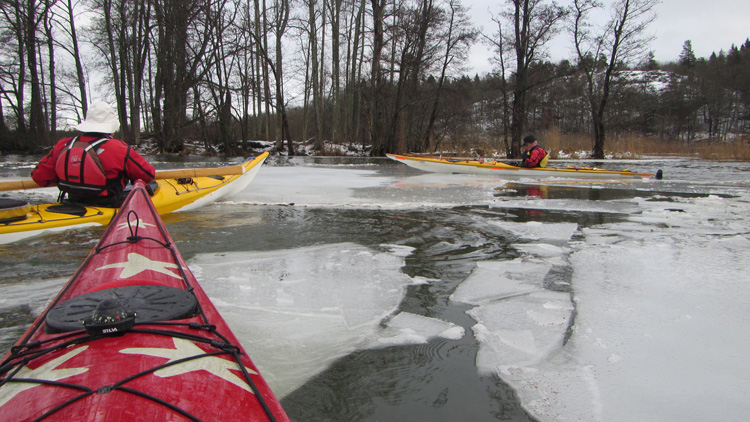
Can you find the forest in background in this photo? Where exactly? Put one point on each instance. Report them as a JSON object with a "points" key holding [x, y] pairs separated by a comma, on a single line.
{"points": [[386, 75]]}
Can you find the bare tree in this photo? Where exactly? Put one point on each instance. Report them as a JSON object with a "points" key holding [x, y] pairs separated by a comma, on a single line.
{"points": [[218, 78], [315, 66], [139, 47], [246, 75], [261, 71], [412, 53], [374, 112], [273, 65], [458, 36], [354, 65], [600, 51], [14, 64], [51, 109], [25, 29], [122, 35], [33, 14], [185, 31], [533, 23], [281, 22], [335, 17], [504, 86], [72, 46]]}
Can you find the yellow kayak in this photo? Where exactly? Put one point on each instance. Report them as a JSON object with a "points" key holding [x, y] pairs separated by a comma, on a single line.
{"points": [[436, 164], [177, 190]]}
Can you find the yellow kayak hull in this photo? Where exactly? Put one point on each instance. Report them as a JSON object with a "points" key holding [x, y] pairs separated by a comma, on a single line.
{"points": [[435, 164], [171, 195]]}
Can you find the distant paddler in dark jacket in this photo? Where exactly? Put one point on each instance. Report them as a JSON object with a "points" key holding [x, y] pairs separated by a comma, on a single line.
{"points": [[533, 155]]}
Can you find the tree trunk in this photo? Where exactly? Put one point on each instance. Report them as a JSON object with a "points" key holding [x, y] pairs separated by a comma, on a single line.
{"points": [[141, 47], [518, 117], [80, 76], [352, 85], [258, 76], [36, 132], [374, 134], [266, 75], [114, 57], [19, 92], [317, 113], [282, 19], [322, 115], [52, 74], [336, 68]]}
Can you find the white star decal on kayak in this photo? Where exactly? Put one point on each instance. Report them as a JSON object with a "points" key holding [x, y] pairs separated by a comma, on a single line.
{"points": [[185, 349], [138, 263], [45, 372], [134, 223]]}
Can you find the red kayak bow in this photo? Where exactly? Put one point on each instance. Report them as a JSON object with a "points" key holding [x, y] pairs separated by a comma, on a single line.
{"points": [[133, 336]]}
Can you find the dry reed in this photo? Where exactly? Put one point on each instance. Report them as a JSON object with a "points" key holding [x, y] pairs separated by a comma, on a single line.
{"points": [[562, 145]]}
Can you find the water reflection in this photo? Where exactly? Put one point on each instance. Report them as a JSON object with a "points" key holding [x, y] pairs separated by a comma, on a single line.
{"points": [[431, 382], [590, 191]]}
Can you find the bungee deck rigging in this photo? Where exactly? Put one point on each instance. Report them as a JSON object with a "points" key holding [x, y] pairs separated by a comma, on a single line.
{"points": [[74, 369]]}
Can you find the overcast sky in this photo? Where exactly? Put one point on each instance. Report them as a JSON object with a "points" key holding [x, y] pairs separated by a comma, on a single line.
{"points": [[711, 26]]}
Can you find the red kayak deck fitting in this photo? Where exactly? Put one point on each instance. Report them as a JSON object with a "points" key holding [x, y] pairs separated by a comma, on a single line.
{"points": [[133, 336]]}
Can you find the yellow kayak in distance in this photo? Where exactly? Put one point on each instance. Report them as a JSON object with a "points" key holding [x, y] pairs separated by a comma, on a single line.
{"points": [[438, 164], [176, 191]]}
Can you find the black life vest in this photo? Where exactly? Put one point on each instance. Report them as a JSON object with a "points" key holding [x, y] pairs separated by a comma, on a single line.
{"points": [[80, 170]]}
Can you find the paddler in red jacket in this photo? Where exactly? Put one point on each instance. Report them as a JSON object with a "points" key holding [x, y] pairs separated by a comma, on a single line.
{"points": [[93, 168], [532, 154]]}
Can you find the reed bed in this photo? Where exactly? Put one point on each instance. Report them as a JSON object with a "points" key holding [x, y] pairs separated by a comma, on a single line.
{"points": [[561, 145]]}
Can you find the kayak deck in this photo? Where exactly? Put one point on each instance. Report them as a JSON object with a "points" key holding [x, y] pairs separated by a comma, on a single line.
{"points": [[133, 334], [436, 164]]}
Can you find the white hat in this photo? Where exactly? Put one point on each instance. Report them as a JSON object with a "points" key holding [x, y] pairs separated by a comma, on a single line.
{"points": [[101, 118]]}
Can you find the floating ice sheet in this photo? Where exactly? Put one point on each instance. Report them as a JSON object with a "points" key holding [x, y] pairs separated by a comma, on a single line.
{"points": [[494, 280], [660, 327], [518, 321], [541, 249], [536, 230], [320, 302], [408, 328], [521, 330], [313, 186]]}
